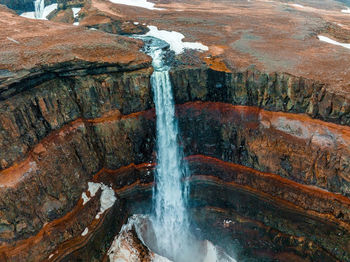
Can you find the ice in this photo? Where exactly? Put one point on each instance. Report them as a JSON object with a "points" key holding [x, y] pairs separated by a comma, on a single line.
{"points": [[333, 42], [174, 39], [138, 3]]}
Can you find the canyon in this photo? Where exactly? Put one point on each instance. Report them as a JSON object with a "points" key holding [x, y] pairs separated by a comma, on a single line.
{"points": [[263, 115]]}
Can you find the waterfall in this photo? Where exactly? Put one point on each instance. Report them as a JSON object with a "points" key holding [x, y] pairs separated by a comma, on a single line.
{"points": [[170, 194], [39, 6]]}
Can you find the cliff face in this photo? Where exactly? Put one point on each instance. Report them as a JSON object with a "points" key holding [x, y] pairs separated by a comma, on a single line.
{"points": [[58, 95], [111, 132], [267, 151]]}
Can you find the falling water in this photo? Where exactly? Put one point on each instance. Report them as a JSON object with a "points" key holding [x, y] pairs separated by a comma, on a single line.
{"points": [[39, 6], [169, 198], [170, 221]]}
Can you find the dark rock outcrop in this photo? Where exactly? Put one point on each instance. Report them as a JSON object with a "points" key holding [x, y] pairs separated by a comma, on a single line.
{"points": [[274, 92]]}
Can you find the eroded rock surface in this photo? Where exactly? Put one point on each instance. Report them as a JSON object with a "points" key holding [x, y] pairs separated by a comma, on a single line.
{"points": [[76, 105]]}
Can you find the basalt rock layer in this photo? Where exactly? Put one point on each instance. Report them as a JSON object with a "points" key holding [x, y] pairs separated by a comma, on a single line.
{"points": [[270, 150], [120, 140], [275, 228]]}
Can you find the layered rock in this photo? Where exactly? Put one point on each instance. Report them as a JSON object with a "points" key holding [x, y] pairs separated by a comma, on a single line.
{"points": [[74, 111], [274, 92], [120, 140], [297, 147], [49, 145], [242, 207]]}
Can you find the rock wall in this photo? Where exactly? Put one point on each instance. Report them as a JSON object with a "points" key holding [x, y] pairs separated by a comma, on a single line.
{"points": [[56, 135], [72, 115], [299, 148], [274, 92]]}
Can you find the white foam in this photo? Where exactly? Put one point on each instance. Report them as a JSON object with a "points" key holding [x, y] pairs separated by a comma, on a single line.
{"points": [[123, 247], [30, 15], [86, 230], [158, 258], [138, 3], [47, 10], [333, 42], [214, 255], [174, 39]]}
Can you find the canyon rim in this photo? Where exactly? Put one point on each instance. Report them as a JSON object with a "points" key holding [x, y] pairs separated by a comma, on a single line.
{"points": [[175, 130]]}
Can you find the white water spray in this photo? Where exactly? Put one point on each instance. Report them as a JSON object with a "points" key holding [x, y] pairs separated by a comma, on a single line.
{"points": [[39, 6], [170, 235], [170, 220]]}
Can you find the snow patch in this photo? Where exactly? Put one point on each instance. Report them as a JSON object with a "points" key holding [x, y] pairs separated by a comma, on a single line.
{"points": [[136, 23], [93, 188], [331, 41], [30, 15], [76, 10], [297, 5], [47, 10], [107, 199], [138, 3], [86, 230], [346, 11], [85, 198], [75, 14], [12, 40], [174, 39]]}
